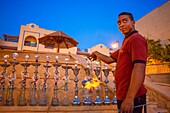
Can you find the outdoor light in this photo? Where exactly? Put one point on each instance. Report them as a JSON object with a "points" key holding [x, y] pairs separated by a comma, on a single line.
{"points": [[115, 45]]}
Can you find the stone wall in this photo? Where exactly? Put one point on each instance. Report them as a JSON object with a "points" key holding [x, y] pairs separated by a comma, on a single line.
{"points": [[160, 78], [159, 94], [158, 68]]}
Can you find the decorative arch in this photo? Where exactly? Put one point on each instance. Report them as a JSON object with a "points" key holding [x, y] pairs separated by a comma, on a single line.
{"points": [[30, 41]]}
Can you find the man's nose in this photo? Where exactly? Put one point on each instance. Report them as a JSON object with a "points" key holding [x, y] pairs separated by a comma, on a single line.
{"points": [[121, 24]]}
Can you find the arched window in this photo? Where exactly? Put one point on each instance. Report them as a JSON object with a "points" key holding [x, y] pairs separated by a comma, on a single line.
{"points": [[30, 41]]}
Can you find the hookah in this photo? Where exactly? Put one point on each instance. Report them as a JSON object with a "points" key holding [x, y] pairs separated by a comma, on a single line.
{"points": [[87, 100], [11, 78], [43, 97], [106, 71], [35, 77], [22, 99], [2, 79], [97, 71], [114, 100], [76, 70], [65, 101], [55, 99]]}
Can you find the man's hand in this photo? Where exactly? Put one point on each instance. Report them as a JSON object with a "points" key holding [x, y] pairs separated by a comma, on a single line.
{"points": [[97, 55], [92, 56], [137, 78], [127, 106]]}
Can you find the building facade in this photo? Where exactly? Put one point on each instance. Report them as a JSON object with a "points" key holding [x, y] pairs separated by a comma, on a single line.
{"points": [[156, 24], [28, 40], [100, 47]]}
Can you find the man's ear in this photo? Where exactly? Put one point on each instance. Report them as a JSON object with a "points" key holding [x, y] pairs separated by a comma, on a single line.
{"points": [[133, 22]]}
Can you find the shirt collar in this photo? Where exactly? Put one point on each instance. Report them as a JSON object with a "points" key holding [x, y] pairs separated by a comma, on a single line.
{"points": [[135, 31]]}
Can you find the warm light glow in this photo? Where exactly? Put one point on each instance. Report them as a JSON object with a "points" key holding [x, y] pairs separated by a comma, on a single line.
{"points": [[115, 45], [94, 83]]}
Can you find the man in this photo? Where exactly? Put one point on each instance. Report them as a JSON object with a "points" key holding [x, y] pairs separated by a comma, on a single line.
{"points": [[130, 68]]}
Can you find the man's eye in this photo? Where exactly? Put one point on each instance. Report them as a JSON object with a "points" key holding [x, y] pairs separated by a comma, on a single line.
{"points": [[124, 21]]}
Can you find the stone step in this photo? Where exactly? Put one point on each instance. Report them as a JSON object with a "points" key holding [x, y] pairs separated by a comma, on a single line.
{"points": [[152, 108], [159, 110], [152, 104], [147, 98]]}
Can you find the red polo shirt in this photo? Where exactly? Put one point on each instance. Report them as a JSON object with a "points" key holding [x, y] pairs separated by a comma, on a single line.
{"points": [[133, 50]]}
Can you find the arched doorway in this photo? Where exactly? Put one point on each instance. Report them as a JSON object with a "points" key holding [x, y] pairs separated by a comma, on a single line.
{"points": [[30, 41]]}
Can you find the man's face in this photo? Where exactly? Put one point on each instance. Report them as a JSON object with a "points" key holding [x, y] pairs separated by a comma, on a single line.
{"points": [[125, 24]]}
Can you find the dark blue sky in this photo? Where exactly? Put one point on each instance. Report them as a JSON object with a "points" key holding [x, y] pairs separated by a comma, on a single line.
{"points": [[90, 22]]}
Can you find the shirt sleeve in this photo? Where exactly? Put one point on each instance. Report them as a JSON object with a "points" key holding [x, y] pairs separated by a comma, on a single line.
{"points": [[138, 49], [114, 55]]}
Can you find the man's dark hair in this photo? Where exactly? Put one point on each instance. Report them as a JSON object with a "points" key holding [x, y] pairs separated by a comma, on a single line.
{"points": [[129, 14]]}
